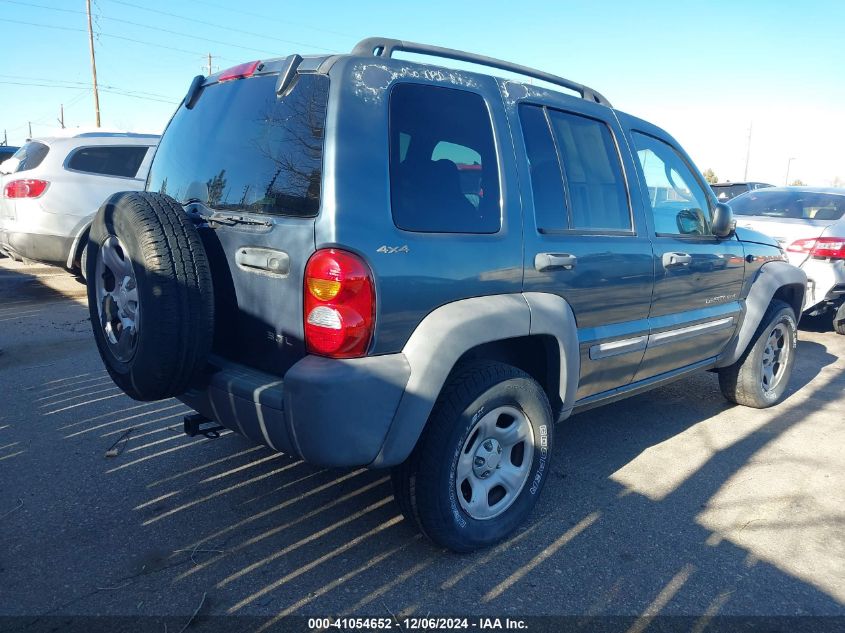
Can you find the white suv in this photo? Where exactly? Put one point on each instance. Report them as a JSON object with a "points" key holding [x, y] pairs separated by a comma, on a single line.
{"points": [[52, 188]]}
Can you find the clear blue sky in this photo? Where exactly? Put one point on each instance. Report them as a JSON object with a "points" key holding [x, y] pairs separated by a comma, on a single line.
{"points": [[704, 71]]}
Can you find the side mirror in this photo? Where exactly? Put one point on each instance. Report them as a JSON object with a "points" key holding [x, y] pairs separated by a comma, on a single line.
{"points": [[723, 220]]}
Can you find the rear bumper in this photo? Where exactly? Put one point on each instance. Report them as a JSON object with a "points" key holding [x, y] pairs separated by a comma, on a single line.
{"points": [[52, 249], [328, 412], [825, 280]]}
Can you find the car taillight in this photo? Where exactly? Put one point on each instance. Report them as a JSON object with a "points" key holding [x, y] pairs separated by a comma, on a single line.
{"points": [[832, 247], [339, 306], [25, 188], [238, 72]]}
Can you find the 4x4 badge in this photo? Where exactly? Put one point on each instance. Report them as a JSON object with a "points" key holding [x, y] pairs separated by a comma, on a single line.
{"points": [[393, 249]]}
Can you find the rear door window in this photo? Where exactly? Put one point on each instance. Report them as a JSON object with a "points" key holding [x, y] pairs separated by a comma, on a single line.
{"points": [[550, 209], [443, 170], [242, 147], [598, 195], [122, 161], [576, 173], [31, 155]]}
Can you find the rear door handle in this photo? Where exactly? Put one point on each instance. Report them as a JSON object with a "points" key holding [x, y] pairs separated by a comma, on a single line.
{"points": [[554, 261], [672, 260]]}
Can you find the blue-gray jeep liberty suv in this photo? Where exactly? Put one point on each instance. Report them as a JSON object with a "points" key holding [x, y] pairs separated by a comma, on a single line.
{"points": [[363, 260]]}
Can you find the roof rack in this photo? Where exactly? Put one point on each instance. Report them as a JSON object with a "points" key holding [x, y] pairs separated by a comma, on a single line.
{"points": [[384, 47]]}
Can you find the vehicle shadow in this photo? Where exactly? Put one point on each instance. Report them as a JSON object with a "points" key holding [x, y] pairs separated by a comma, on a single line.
{"points": [[263, 534], [624, 527]]}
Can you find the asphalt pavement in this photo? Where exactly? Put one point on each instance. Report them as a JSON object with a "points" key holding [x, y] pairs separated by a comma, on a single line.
{"points": [[674, 502]]}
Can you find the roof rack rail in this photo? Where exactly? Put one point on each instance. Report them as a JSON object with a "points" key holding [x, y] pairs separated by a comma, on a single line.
{"points": [[384, 47]]}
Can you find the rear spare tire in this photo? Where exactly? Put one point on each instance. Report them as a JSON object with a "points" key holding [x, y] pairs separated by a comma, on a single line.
{"points": [[150, 294]]}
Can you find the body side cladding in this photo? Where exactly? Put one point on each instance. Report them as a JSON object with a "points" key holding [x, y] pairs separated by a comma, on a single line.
{"points": [[451, 330], [552, 315], [773, 279]]}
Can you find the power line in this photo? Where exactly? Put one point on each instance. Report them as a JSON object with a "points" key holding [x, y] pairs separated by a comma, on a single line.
{"points": [[83, 83], [240, 11], [103, 89], [219, 26], [145, 26], [39, 120], [117, 37]]}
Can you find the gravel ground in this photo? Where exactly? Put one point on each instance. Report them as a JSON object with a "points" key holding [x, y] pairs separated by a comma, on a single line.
{"points": [[673, 502]]}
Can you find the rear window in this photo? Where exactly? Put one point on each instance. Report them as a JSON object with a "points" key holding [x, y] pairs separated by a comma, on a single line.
{"points": [[443, 171], [243, 148], [30, 155], [796, 205], [108, 161]]}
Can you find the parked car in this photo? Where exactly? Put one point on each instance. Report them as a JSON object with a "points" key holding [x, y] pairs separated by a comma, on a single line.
{"points": [[6, 152], [52, 187], [728, 190], [309, 266], [809, 223]]}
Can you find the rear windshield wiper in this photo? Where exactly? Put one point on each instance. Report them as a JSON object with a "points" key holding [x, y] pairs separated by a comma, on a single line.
{"points": [[231, 219]]}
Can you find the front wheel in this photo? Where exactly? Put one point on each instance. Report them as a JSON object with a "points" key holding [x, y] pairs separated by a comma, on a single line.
{"points": [[760, 377], [482, 460]]}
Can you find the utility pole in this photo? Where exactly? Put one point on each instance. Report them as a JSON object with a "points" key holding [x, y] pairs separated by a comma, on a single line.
{"points": [[5, 138], [209, 68], [62, 115], [788, 165], [93, 62], [748, 151]]}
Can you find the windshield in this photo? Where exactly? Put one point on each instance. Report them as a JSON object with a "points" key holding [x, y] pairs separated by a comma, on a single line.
{"points": [[790, 204], [243, 148]]}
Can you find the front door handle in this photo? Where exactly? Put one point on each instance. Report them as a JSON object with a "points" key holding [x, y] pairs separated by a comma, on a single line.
{"points": [[554, 261], [673, 260]]}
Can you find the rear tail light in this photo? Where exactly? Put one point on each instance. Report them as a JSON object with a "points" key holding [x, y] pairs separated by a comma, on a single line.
{"points": [[25, 188], [238, 72], [339, 305], [832, 247]]}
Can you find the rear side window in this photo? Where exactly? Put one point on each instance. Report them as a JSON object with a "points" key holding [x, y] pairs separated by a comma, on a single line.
{"points": [[108, 161], [31, 155], [443, 171], [242, 147]]}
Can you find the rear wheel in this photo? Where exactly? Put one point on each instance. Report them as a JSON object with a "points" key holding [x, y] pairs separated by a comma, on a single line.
{"points": [[760, 377], [839, 319], [482, 460], [150, 295]]}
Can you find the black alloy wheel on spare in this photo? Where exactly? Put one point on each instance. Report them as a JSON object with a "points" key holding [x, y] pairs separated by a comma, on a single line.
{"points": [[150, 294]]}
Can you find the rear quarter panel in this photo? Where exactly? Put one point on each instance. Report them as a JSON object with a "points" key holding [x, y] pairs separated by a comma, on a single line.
{"points": [[435, 268]]}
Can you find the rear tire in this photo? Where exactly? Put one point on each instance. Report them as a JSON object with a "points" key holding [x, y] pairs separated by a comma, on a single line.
{"points": [[760, 377], [150, 294], [839, 319], [82, 271], [481, 462]]}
